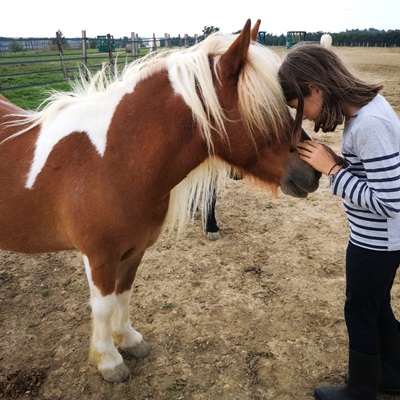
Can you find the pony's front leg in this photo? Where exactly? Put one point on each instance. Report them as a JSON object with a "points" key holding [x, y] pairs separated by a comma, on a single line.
{"points": [[103, 351], [126, 338]]}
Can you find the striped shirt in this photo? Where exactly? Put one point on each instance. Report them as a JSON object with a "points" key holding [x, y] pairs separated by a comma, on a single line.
{"points": [[370, 184]]}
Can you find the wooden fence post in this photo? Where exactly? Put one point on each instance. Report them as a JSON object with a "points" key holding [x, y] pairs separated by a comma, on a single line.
{"points": [[154, 46], [137, 45], [186, 40], [110, 55], [167, 40], [84, 55], [133, 45], [60, 53]]}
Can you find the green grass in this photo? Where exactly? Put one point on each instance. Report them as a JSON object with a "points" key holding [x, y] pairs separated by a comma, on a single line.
{"points": [[40, 67], [31, 98], [167, 305]]}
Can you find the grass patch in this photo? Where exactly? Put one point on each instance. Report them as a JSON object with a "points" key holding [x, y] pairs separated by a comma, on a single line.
{"points": [[26, 77]]}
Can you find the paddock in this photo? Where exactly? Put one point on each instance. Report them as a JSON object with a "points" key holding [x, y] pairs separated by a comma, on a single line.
{"points": [[254, 315]]}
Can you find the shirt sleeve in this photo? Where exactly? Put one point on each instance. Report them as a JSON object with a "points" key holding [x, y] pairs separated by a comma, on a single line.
{"points": [[374, 184]]}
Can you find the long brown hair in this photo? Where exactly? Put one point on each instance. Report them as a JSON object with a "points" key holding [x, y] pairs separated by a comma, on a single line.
{"points": [[313, 64]]}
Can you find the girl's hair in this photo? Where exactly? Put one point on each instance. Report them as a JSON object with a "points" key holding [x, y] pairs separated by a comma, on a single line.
{"points": [[312, 64]]}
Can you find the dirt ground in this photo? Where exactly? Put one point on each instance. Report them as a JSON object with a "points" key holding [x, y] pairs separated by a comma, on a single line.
{"points": [[257, 314]]}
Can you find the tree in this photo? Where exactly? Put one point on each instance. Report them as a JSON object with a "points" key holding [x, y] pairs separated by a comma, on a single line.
{"points": [[208, 30], [16, 46], [92, 44]]}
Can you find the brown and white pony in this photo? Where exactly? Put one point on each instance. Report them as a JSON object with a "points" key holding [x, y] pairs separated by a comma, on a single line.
{"points": [[103, 168]]}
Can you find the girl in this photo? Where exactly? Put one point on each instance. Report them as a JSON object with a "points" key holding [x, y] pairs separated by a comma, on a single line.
{"points": [[317, 84]]}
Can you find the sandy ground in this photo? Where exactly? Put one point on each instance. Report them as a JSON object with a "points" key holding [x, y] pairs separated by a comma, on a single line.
{"points": [[257, 314]]}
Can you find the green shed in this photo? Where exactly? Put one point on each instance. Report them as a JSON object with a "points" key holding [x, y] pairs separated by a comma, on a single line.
{"points": [[103, 43], [294, 37]]}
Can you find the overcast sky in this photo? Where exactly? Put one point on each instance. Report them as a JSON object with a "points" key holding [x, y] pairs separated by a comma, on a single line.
{"points": [[42, 18]]}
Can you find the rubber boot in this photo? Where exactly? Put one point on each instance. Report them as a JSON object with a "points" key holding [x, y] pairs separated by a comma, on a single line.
{"points": [[363, 380], [390, 364]]}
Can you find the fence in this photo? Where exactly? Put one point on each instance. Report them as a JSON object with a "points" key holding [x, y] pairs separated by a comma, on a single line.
{"points": [[58, 60]]}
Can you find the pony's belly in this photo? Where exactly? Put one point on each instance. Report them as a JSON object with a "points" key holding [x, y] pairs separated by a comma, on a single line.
{"points": [[30, 232], [33, 245]]}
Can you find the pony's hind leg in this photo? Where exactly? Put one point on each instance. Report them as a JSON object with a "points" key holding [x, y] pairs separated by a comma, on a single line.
{"points": [[126, 338], [103, 351]]}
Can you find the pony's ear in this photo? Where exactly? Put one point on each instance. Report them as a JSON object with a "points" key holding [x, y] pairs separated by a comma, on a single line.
{"points": [[254, 31], [232, 61]]}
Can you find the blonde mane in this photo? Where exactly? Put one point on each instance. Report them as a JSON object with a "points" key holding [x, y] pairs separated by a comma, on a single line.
{"points": [[260, 102]]}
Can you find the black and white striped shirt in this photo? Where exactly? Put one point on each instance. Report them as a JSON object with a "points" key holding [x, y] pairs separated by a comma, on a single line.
{"points": [[370, 185]]}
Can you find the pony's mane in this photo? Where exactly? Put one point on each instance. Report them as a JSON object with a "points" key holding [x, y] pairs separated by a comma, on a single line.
{"points": [[260, 103]]}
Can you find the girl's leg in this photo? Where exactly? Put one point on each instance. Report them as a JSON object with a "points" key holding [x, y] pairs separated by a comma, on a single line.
{"points": [[369, 278], [387, 324]]}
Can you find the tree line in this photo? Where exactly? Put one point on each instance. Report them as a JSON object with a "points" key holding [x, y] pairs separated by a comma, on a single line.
{"points": [[354, 37]]}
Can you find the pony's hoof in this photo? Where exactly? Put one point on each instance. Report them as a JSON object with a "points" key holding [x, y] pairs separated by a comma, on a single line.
{"points": [[213, 236], [115, 375], [139, 351]]}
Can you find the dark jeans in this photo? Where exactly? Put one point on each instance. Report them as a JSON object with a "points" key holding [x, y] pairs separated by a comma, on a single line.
{"points": [[368, 312]]}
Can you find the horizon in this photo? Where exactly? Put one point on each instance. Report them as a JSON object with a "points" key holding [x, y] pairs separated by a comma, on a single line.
{"points": [[161, 37]]}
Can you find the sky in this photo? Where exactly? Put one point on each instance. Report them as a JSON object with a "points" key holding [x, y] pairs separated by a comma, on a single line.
{"points": [[43, 18]]}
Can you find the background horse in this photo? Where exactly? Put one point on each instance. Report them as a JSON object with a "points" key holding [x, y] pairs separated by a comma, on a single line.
{"points": [[104, 168]]}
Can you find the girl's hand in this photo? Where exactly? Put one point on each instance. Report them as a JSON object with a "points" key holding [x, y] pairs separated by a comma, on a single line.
{"points": [[318, 155]]}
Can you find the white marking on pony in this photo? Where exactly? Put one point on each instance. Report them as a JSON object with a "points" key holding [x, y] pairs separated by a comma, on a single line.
{"points": [[127, 338], [91, 117], [326, 40], [89, 109], [103, 349]]}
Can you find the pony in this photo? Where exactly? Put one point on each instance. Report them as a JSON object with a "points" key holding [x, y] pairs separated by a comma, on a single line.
{"points": [[110, 165]]}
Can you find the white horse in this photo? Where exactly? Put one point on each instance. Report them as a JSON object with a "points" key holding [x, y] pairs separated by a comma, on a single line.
{"points": [[326, 40]]}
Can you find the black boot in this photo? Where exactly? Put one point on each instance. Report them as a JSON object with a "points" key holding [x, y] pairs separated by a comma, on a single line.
{"points": [[362, 382], [390, 364]]}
